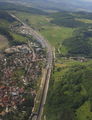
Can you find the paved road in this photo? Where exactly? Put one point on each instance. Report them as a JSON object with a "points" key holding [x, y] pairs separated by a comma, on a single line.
{"points": [[44, 43]]}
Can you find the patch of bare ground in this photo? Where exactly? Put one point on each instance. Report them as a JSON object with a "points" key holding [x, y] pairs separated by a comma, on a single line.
{"points": [[3, 43]]}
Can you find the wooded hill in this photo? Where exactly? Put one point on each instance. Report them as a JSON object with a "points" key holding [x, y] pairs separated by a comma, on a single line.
{"points": [[68, 19], [68, 94], [21, 8], [80, 43], [6, 18]]}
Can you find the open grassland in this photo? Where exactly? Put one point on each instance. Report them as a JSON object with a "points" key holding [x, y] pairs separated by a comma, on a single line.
{"points": [[19, 38], [3, 42], [37, 21], [56, 34], [63, 49], [84, 20], [53, 33]]}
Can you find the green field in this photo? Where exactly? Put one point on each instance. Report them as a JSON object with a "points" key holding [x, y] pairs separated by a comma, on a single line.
{"points": [[63, 49], [37, 21], [19, 38], [84, 20], [56, 34]]}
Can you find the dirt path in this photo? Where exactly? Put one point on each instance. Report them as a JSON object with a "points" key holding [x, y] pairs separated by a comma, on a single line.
{"points": [[59, 48]]}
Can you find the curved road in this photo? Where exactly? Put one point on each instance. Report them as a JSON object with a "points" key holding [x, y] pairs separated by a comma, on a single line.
{"points": [[48, 65]]}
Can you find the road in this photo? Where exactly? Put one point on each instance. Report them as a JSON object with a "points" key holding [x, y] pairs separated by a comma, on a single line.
{"points": [[48, 65]]}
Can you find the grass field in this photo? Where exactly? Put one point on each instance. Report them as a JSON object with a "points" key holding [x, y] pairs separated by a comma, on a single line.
{"points": [[84, 20], [37, 21], [56, 34], [63, 50], [19, 38]]}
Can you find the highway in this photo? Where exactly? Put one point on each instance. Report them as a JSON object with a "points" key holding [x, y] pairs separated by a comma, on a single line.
{"points": [[48, 65]]}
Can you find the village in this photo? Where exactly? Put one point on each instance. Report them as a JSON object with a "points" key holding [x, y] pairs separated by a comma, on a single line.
{"points": [[19, 71]]}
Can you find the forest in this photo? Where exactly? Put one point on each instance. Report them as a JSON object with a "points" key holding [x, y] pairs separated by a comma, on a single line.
{"points": [[69, 93], [21, 8], [80, 43]]}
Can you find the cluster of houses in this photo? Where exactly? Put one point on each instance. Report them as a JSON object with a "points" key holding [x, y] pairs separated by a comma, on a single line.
{"points": [[11, 96], [18, 67]]}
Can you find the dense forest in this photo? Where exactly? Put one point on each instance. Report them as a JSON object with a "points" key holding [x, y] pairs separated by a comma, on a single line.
{"points": [[68, 19], [69, 93], [80, 43]]}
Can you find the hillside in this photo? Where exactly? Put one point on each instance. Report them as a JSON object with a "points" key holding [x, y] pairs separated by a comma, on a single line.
{"points": [[70, 94], [6, 23], [80, 42], [22, 8]]}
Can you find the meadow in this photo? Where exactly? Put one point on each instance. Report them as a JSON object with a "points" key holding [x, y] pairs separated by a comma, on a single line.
{"points": [[84, 20], [18, 38]]}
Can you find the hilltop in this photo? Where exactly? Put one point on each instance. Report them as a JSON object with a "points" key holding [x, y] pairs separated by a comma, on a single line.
{"points": [[57, 5]]}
